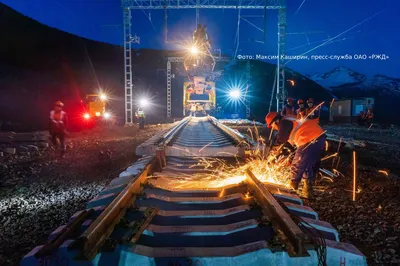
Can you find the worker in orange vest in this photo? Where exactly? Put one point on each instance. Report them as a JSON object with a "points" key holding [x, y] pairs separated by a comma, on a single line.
{"points": [[309, 139], [58, 126], [288, 109], [302, 111]]}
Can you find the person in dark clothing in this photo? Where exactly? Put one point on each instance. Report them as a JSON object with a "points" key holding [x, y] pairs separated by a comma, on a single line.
{"points": [[361, 119], [312, 113], [58, 126], [369, 117], [288, 109], [285, 127]]}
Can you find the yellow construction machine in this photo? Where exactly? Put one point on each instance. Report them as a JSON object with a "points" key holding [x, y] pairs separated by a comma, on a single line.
{"points": [[96, 106]]}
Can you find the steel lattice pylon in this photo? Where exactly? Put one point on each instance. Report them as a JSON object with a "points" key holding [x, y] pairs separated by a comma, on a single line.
{"points": [[248, 89], [281, 93], [128, 40], [169, 89], [128, 5]]}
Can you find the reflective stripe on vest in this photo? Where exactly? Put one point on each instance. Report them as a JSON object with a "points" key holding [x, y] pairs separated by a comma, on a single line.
{"points": [[57, 118]]}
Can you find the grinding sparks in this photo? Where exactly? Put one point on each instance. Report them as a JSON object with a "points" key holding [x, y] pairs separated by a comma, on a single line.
{"points": [[333, 100], [217, 173], [272, 170], [384, 172], [329, 156], [327, 178]]}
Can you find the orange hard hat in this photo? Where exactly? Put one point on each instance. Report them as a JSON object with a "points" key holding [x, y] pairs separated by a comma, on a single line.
{"points": [[59, 103], [290, 100], [300, 101], [270, 118], [310, 100]]}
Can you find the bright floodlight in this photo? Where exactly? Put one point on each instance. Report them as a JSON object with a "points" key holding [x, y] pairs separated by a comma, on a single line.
{"points": [[235, 94], [143, 102], [194, 50], [86, 116], [107, 115], [103, 97]]}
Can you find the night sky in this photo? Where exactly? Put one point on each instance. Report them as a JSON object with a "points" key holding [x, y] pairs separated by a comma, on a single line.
{"points": [[102, 20]]}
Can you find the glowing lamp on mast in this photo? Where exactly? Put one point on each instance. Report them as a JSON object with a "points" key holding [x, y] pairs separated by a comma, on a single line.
{"points": [[194, 50], [103, 97], [143, 102], [235, 94]]}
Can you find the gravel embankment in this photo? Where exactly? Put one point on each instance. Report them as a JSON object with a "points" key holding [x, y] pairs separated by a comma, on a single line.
{"points": [[372, 222], [40, 192]]}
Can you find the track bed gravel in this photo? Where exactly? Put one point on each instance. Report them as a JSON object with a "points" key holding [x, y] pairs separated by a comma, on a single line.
{"points": [[41, 191]]}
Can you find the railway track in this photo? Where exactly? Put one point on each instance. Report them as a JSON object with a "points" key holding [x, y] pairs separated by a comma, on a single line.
{"points": [[161, 212]]}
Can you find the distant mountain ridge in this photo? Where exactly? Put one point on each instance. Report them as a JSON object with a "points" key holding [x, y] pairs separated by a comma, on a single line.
{"points": [[342, 78]]}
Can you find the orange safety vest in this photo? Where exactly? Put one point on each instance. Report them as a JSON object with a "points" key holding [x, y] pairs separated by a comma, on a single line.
{"points": [[57, 118], [304, 131], [301, 113]]}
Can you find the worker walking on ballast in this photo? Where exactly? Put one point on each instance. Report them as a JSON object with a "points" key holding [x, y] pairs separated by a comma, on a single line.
{"points": [[58, 126], [309, 139]]}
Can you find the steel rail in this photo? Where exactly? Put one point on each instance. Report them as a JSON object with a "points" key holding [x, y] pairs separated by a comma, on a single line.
{"points": [[236, 136], [280, 219], [166, 139], [93, 238]]}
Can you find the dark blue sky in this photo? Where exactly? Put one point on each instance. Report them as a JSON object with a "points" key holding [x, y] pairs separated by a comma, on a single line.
{"points": [[102, 20]]}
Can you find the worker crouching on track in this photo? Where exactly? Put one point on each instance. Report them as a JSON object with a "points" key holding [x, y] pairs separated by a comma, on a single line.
{"points": [[309, 139], [58, 126]]}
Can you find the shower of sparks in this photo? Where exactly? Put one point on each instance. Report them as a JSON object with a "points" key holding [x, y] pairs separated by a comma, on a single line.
{"points": [[218, 173]]}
